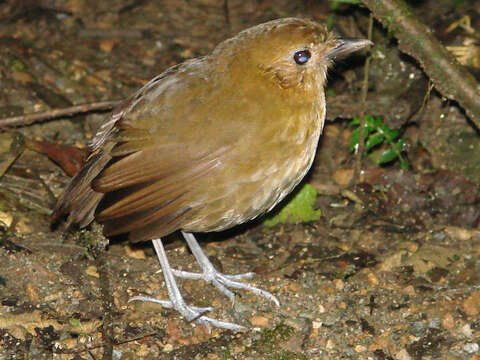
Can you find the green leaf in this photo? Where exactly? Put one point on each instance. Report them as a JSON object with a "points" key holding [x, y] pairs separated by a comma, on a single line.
{"points": [[377, 133], [387, 156], [354, 121], [374, 140], [373, 122], [354, 139], [299, 209], [390, 134]]}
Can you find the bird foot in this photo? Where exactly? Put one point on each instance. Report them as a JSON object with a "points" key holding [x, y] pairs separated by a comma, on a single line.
{"points": [[220, 281], [223, 282], [176, 302], [191, 313]]}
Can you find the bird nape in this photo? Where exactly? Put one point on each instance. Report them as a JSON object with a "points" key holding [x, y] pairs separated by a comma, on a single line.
{"points": [[209, 144]]}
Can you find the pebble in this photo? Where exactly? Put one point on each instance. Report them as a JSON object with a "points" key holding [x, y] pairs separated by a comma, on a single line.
{"points": [[117, 354], [143, 350], [339, 284], [459, 233], [372, 279], [417, 328], [32, 292], [434, 323], [260, 321], [448, 322], [317, 324], [6, 219], [471, 348], [472, 304], [106, 45], [237, 349], [409, 290], [167, 348], [330, 344], [92, 271], [360, 348], [403, 355], [136, 253], [466, 330], [342, 176]]}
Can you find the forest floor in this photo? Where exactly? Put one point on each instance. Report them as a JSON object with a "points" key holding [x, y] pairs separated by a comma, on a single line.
{"points": [[391, 270]]}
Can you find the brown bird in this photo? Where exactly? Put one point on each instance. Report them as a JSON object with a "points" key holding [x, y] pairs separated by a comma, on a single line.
{"points": [[209, 144]]}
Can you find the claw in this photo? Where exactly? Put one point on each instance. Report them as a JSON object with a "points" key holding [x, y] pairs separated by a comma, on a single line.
{"points": [[220, 281], [211, 275], [176, 302], [192, 313]]}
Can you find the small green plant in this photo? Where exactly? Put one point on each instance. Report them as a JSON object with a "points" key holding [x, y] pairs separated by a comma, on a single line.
{"points": [[299, 209], [375, 134]]}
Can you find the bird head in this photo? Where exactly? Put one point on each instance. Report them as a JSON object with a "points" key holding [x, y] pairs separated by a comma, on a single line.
{"points": [[292, 53]]}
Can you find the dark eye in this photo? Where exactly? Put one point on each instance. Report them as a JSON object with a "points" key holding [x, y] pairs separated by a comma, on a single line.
{"points": [[301, 57]]}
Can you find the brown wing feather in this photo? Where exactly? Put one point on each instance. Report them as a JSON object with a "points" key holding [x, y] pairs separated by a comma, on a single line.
{"points": [[143, 166], [142, 177], [159, 216], [151, 193], [139, 202], [162, 227], [78, 200]]}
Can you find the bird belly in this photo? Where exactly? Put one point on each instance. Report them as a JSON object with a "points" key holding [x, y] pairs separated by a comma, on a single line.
{"points": [[263, 189]]}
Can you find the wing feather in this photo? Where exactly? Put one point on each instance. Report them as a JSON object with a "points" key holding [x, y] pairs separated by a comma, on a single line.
{"points": [[145, 169], [152, 194]]}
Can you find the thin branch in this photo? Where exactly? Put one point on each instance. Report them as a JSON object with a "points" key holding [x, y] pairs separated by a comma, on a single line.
{"points": [[414, 38], [29, 119], [361, 142]]}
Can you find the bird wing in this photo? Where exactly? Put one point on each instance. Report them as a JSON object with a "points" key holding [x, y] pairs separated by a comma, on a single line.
{"points": [[151, 187], [151, 178], [143, 169]]}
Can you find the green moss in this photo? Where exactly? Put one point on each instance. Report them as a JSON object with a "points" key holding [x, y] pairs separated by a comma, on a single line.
{"points": [[18, 65], [92, 241], [273, 336], [74, 322], [270, 340], [299, 209]]}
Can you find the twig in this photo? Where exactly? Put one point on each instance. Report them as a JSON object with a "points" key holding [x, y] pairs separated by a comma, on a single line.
{"points": [[361, 142], [107, 304], [16, 149], [29, 119], [101, 345], [415, 38], [99, 252], [226, 11]]}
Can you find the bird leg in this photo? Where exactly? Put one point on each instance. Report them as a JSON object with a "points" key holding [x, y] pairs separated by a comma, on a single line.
{"points": [[212, 276], [191, 313]]}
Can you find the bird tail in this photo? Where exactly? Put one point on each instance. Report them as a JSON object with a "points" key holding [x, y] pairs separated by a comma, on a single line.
{"points": [[78, 202]]}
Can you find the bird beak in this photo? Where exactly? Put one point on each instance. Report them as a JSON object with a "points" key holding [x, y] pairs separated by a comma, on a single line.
{"points": [[346, 47]]}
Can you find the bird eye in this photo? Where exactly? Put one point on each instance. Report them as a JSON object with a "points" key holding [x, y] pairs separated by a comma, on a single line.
{"points": [[301, 57]]}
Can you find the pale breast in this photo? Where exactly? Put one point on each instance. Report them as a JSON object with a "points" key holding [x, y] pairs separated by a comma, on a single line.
{"points": [[268, 186]]}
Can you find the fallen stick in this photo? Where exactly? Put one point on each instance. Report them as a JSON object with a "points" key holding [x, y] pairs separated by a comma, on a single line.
{"points": [[29, 119]]}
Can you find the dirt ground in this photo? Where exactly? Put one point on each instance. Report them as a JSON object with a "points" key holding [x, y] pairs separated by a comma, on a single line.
{"points": [[391, 270]]}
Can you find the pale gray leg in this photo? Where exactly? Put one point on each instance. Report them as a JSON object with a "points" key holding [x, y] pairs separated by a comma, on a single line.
{"points": [[191, 313], [211, 275]]}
